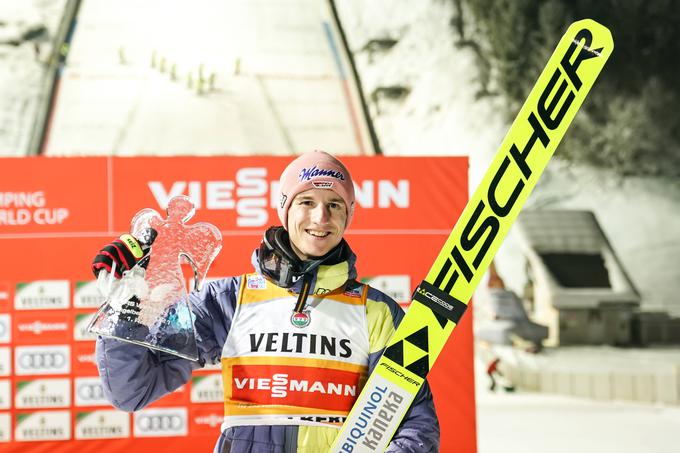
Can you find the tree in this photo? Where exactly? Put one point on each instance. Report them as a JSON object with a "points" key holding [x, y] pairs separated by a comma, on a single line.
{"points": [[630, 121]]}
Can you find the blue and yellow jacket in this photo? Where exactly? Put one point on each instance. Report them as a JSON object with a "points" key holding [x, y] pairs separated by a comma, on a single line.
{"points": [[134, 376]]}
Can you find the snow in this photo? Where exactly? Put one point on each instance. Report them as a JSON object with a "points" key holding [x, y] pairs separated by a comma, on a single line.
{"points": [[131, 85], [536, 423], [539, 423], [22, 66], [439, 116]]}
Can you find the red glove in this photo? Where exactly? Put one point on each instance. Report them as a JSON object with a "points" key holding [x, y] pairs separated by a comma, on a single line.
{"points": [[125, 252]]}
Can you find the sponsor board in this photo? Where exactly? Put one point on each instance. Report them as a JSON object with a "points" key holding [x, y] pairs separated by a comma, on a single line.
{"points": [[43, 425], [80, 332], [45, 202], [40, 360], [206, 419], [42, 393], [43, 327], [161, 422], [251, 197], [102, 424], [207, 389], [248, 196], [5, 361], [328, 389], [42, 295], [83, 359], [29, 208], [5, 328], [88, 391], [86, 295], [70, 249], [5, 428], [398, 287], [5, 394]]}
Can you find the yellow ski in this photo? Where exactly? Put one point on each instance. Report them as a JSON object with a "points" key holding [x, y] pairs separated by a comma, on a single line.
{"points": [[441, 299]]}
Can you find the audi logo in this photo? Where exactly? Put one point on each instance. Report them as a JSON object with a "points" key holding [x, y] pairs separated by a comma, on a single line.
{"points": [[42, 360], [160, 422], [90, 391]]}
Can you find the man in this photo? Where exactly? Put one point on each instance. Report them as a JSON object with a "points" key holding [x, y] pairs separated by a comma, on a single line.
{"points": [[491, 370], [296, 338]]}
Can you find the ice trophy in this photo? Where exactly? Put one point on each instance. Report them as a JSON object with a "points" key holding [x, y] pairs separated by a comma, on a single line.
{"points": [[149, 305]]}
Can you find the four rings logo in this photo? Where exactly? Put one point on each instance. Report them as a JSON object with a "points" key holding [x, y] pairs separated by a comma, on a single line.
{"points": [[88, 393], [161, 422], [42, 360]]}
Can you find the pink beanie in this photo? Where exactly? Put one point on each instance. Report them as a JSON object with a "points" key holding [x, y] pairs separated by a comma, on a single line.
{"points": [[315, 170]]}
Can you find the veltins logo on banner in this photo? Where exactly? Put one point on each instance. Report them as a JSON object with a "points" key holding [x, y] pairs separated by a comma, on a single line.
{"points": [[207, 389], [102, 424], [87, 295], [42, 295], [42, 393], [43, 425], [80, 332]]}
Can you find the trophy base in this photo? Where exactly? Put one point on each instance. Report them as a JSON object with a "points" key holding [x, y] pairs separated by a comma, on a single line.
{"points": [[172, 333]]}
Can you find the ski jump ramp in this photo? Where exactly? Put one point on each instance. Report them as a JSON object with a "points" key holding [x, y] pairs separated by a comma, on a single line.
{"points": [[209, 77]]}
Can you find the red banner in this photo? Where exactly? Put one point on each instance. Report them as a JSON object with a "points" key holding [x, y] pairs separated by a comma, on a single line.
{"points": [[55, 213]]}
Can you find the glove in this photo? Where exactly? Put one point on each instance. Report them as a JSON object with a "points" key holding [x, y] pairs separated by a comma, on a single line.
{"points": [[125, 251]]}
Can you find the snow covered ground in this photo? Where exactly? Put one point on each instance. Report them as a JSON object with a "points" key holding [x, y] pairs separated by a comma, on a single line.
{"points": [[537, 423], [540, 423]]}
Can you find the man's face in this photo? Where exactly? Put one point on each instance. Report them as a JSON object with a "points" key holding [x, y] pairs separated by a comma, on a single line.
{"points": [[316, 222]]}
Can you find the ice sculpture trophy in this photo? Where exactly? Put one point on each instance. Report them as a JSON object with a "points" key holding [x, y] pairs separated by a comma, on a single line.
{"points": [[149, 305]]}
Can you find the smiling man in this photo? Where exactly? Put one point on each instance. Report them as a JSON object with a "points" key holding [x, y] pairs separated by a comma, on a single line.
{"points": [[317, 203], [296, 339]]}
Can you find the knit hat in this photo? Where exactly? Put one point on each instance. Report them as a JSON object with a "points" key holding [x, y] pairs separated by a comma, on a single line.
{"points": [[315, 170]]}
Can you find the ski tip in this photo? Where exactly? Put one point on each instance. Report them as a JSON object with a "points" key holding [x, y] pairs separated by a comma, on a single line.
{"points": [[602, 41]]}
